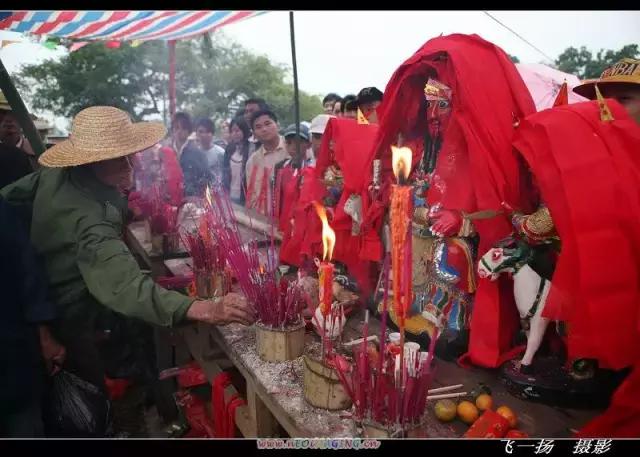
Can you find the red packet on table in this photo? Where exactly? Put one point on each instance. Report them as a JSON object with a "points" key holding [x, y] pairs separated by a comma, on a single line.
{"points": [[489, 425]]}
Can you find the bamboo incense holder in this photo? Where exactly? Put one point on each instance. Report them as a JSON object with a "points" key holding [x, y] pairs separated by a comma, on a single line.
{"points": [[171, 243], [371, 429], [279, 345], [157, 243], [322, 387], [211, 284]]}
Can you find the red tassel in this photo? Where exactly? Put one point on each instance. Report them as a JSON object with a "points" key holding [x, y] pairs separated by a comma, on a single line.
{"points": [[234, 403], [220, 382]]}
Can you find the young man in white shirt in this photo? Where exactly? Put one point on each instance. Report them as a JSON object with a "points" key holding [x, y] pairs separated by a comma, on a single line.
{"points": [[261, 164], [215, 154]]}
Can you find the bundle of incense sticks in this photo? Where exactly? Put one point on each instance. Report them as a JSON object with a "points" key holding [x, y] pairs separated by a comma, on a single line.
{"points": [[206, 254], [388, 386], [164, 217], [384, 389], [277, 304]]}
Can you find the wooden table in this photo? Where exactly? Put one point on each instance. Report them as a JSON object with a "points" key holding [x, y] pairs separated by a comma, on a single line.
{"points": [[274, 390]]}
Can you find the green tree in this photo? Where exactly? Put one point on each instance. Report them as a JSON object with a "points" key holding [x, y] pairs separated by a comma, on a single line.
{"points": [[582, 63], [213, 76]]}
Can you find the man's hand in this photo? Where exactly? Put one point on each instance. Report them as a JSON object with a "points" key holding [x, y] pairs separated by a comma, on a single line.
{"points": [[446, 223], [221, 311], [53, 352]]}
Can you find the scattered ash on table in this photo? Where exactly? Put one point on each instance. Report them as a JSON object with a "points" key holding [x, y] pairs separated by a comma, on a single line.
{"points": [[284, 382]]}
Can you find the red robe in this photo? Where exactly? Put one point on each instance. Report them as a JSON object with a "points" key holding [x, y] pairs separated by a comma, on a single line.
{"points": [[173, 189], [288, 193], [590, 181], [352, 143], [487, 94]]}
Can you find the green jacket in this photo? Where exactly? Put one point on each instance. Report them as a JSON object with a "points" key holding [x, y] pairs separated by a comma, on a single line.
{"points": [[77, 226]]}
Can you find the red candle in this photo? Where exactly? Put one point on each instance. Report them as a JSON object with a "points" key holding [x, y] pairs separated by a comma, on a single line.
{"points": [[325, 279], [325, 270], [401, 205]]}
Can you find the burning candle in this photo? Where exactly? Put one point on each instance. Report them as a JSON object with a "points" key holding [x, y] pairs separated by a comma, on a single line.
{"points": [[325, 270], [401, 204], [401, 210]]}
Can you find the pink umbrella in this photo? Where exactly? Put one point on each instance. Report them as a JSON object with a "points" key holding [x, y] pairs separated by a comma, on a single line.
{"points": [[544, 83]]}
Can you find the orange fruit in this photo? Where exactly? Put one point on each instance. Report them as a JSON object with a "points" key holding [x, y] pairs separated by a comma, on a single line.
{"points": [[509, 415], [445, 410], [484, 402], [467, 412]]}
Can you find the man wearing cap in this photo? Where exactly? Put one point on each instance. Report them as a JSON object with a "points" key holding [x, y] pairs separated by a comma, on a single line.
{"points": [[288, 177], [76, 205], [620, 82], [318, 124], [368, 101]]}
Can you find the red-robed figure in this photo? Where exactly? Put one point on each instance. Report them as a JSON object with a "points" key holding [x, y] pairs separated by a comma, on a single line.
{"points": [[455, 103], [337, 181], [589, 180]]}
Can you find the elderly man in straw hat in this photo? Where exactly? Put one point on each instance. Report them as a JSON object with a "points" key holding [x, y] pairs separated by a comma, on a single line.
{"points": [[78, 206]]}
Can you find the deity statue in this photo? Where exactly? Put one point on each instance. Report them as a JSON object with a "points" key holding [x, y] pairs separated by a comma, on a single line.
{"points": [[453, 103]]}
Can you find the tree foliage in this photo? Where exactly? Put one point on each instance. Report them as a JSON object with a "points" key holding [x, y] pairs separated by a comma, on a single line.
{"points": [[213, 76], [582, 63]]}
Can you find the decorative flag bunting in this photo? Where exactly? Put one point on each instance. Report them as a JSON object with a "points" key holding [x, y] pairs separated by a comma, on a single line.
{"points": [[77, 45], [135, 26]]}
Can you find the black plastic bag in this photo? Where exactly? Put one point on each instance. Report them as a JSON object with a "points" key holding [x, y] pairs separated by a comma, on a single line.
{"points": [[75, 408]]}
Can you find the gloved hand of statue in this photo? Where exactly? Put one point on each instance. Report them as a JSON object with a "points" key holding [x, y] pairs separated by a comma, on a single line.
{"points": [[446, 222], [232, 307]]}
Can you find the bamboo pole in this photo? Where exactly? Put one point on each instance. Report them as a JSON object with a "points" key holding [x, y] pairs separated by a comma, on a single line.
{"points": [[296, 94], [172, 77]]}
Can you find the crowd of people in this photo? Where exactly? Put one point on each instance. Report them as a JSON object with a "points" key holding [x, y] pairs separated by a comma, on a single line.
{"points": [[73, 202], [479, 152], [250, 149]]}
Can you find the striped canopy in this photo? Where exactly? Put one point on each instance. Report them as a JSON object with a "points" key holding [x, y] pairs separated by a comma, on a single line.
{"points": [[120, 25]]}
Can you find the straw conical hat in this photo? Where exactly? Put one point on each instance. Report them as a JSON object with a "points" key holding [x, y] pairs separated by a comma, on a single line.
{"points": [[626, 71], [102, 133], [4, 104]]}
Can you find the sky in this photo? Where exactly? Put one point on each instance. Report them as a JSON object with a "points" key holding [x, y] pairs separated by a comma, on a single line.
{"points": [[344, 51]]}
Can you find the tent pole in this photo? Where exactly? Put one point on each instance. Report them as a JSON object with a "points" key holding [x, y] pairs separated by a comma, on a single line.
{"points": [[296, 94], [172, 77], [20, 111]]}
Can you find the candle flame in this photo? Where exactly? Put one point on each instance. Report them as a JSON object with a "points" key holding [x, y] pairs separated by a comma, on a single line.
{"points": [[328, 235], [401, 161]]}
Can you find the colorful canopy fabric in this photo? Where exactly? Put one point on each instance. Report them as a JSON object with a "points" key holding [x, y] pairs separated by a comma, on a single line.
{"points": [[120, 25], [544, 83]]}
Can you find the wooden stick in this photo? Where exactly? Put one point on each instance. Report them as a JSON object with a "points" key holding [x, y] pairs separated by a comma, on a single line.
{"points": [[444, 389], [359, 340], [438, 397]]}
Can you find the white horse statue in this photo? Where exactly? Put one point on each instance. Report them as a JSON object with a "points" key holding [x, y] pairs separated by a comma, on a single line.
{"points": [[513, 256]]}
